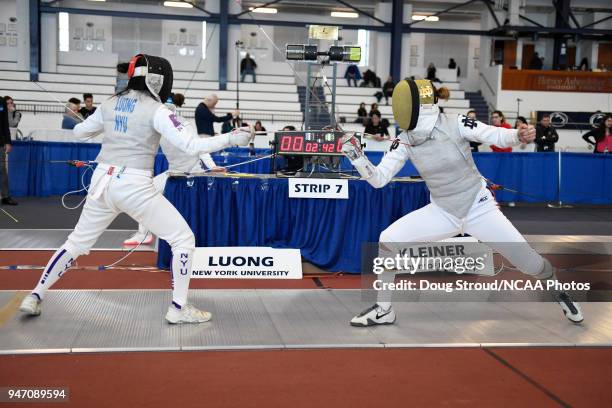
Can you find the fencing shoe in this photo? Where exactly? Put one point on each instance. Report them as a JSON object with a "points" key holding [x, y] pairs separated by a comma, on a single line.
{"points": [[187, 314], [374, 315], [570, 308], [31, 305]]}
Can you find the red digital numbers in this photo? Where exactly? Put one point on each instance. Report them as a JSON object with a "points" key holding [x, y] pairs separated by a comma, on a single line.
{"points": [[327, 147], [298, 143], [292, 143], [339, 145], [312, 147], [285, 145]]}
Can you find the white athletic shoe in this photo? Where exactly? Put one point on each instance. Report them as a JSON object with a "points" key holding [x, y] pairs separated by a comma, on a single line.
{"points": [[31, 305], [374, 315], [571, 309], [137, 238], [187, 314]]}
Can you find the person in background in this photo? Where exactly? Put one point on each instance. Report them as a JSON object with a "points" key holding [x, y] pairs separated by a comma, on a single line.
{"points": [[499, 120], [204, 116], [88, 109], [370, 79], [233, 123], [431, 73], [227, 126], [293, 163], [453, 65], [525, 147], [546, 135], [387, 89], [471, 114], [374, 110], [247, 67], [536, 62], [601, 136], [5, 148], [14, 116], [259, 127], [352, 74], [362, 113], [584, 64], [71, 115], [376, 128], [520, 121]]}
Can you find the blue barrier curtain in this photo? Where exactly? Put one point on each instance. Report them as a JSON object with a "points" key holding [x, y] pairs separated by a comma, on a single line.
{"points": [[584, 177], [259, 212]]}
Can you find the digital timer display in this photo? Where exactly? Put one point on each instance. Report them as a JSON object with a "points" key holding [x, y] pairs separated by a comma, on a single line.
{"points": [[310, 143]]}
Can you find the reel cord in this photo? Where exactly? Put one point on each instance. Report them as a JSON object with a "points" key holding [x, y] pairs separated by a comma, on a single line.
{"points": [[85, 188]]}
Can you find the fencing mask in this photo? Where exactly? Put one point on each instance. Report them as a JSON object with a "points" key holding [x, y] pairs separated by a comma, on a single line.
{"points": [[157, 74], [408, 96], [415, 109]]}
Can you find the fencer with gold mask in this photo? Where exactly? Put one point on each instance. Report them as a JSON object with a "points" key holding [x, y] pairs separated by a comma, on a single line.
{"points": [[438, 145]]}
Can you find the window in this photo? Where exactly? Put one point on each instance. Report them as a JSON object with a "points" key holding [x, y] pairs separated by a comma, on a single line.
{"points": [[363, 40], [64, 32], [204, 39]]}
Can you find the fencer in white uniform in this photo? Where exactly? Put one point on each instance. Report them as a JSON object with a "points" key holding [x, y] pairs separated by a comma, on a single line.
{"points": [[133, 122], [178, 162], [438, 146]]}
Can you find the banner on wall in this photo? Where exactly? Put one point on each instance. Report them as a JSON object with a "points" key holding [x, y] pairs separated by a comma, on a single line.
{"points": [[573, 120]]}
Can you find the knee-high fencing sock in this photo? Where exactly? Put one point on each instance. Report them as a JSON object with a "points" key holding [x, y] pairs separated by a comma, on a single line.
{"points": [[181, 274], [61, 260], [385, 296]]}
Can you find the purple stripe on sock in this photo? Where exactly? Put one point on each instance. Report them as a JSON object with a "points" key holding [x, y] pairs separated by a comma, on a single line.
{"points": [[52, 265], [37, 295], [177, 305]]}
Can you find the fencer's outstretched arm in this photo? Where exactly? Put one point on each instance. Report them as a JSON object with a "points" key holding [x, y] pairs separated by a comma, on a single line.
{"points": [[90, 127], [476, 131], [183, 136], [377, 176]]}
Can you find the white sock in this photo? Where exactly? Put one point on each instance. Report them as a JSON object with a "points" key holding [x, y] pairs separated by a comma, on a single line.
{"points": [[384, 296], [181, 274], [58, 264]]}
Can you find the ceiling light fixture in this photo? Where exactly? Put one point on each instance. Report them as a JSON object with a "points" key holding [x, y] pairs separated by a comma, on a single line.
{"points": [[177, 4], [344, 14], [263, 10]]}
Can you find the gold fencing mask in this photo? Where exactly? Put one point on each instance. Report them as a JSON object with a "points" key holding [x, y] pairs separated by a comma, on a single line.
{"points": [[408, 96]]}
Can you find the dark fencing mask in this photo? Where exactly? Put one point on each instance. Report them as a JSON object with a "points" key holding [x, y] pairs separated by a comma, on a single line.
{"points": [[157, 73]]}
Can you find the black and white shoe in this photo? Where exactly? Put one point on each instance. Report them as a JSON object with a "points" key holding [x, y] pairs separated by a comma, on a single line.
{"points": [[570, 308], [374, 315]]}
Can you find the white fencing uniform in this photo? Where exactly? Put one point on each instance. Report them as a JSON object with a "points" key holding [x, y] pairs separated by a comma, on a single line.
{"points": [[460, 201], [133, 124]]}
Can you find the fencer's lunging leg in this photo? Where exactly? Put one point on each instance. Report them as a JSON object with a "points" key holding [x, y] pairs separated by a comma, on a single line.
{"points": [[160, 217], [426, 224], [493, 228], [95, 218]]}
